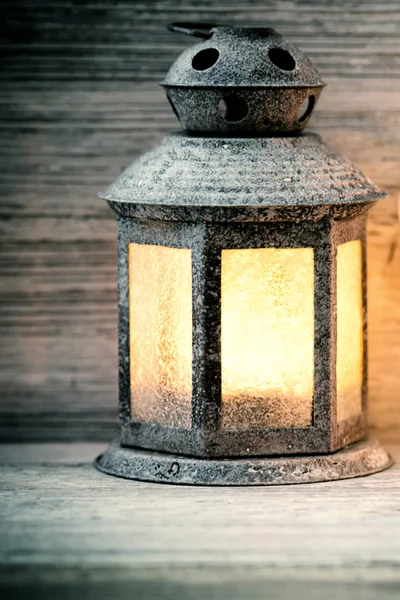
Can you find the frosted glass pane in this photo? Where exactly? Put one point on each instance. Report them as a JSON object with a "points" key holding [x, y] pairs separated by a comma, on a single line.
{"points": [[267, 337], [349, 365], [160, 303]]}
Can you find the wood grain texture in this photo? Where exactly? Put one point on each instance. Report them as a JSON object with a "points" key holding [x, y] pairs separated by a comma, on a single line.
{"points": [[64, 525], [78, 102], [122, 39]]}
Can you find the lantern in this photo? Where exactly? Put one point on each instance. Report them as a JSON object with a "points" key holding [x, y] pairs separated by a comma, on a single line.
{"points": [[242, 280]]}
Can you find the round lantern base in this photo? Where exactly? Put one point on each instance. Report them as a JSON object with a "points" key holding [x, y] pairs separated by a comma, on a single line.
{"points": [[362, 458]]}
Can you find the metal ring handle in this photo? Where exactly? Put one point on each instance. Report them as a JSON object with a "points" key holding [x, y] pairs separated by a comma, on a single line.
{"points": [[200, 30]]}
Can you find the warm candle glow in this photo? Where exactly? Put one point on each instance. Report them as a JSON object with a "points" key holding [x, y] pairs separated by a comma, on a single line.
{"points": [[267, 337], [349, 367], [160, 312]]}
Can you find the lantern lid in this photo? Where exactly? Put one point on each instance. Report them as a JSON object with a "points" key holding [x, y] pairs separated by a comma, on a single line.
{"points": [[240, 57], [201, 178], [246, 80]]}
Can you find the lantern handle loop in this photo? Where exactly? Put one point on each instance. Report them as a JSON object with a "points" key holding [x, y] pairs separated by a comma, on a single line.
{"points": [[200, 30]]}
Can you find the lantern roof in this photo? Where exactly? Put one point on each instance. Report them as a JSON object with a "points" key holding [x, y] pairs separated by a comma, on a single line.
{"points": [[255, 178]]}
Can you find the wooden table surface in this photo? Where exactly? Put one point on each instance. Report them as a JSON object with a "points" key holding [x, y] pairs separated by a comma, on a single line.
{"points": [[70, 531]]}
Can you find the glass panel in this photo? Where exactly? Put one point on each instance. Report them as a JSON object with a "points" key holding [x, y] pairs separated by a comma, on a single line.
{"points": [[267, 337], [349, 365], [160, 304]]}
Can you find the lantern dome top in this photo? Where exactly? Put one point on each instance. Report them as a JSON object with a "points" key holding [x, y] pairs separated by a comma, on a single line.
{"points": [[240, 57], [241, 79]]}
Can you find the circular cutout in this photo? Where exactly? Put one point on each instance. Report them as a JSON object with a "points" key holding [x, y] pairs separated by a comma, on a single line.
{"points": [[205, 59], [233, 108], [306, 109], [282, 59]]}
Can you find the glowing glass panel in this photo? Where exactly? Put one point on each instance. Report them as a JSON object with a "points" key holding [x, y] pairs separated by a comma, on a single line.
{"points": [[267, 337], [349, 358], [160, 314]]}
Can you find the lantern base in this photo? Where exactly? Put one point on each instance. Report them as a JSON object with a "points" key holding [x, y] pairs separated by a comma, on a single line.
{"points": [[362, 458]]}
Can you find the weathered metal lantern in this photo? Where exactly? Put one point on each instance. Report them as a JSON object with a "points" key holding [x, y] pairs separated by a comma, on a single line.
{"points": [[242, 281]]}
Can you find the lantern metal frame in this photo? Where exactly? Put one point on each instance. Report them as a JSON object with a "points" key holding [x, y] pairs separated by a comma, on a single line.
{"points": [[207, 438]]}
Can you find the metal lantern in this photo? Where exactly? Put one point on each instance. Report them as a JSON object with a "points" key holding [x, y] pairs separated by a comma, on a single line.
{"points": [[242, 280]]}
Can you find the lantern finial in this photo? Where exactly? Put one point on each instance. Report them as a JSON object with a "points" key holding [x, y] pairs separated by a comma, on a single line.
{"points": [[241, 80]]}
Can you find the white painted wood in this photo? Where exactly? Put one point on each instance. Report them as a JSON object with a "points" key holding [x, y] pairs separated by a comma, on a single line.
{"points": [[64, 512], [68, 531]]}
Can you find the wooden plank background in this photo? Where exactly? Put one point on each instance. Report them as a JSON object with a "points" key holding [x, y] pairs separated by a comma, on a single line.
{"points": [[78, 101]]}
